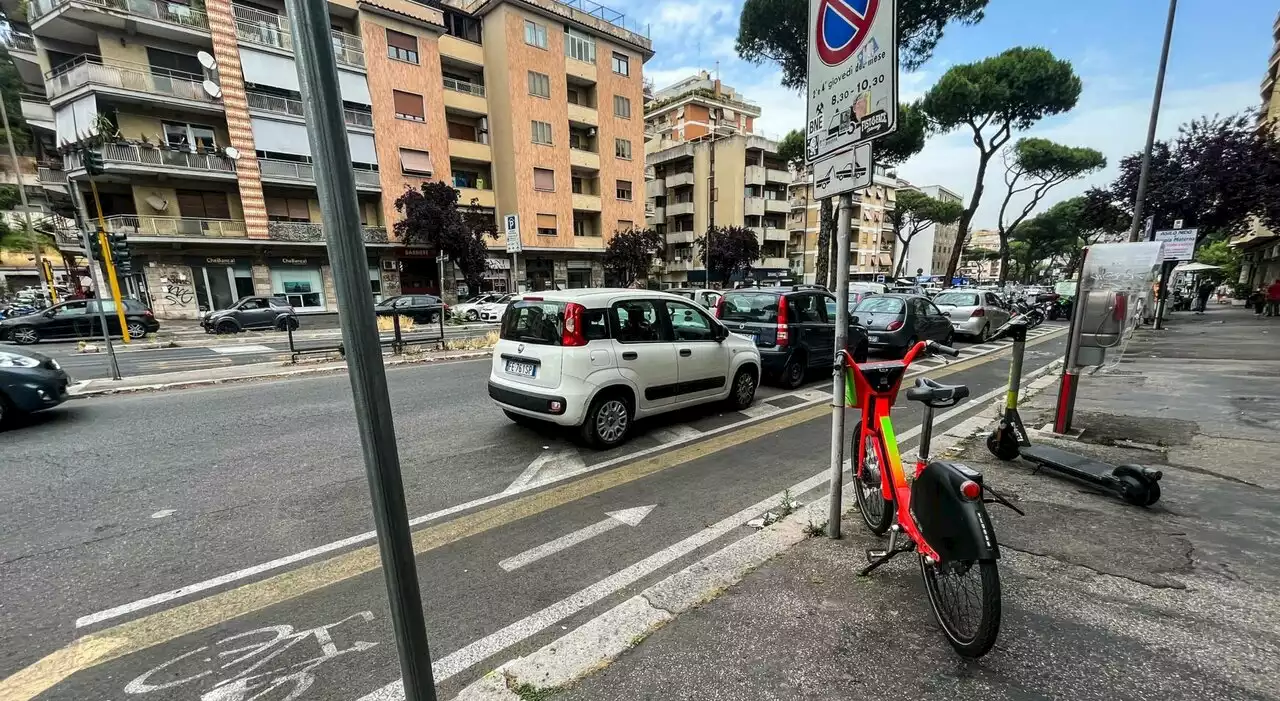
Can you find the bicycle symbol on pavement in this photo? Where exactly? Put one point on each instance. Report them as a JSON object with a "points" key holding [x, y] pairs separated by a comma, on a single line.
{"points": [[254, 651]]}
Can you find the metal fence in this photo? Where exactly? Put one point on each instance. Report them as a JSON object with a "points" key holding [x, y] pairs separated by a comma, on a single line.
{"points": [[269, 29], [463, 87], [154, 157], [141, 77], [294, 108], [398, 339], [176, 226], [305, 172]]}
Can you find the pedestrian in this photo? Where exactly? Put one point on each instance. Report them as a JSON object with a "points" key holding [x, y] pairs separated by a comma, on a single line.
{"points": [[1202, 295], [1258, 300], [1273, 299]]}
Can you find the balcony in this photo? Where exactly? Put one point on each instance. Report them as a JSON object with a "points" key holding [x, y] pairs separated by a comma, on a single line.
{"points": [[586, 203], [774, 262], [313, 232], [468, 97], [769, 233], [470, 150], [268, 29], [583, 115], [140, 160], [674, 237], [36, 110], [799, 203], [754, 175], [680, 265], [777, 175], [658, 215], [136, 81], [580, 56], [275, 104], [176, 227], [655, 188], [676, 209], [170, 20], [53, 178], [19, 43], [680, 179], [462, 50], [293, 172], [584, 159], [482, 198], [777, 206], [753, 206]]}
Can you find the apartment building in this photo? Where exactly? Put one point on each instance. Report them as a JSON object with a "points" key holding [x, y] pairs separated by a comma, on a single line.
{"points": [[209, 169], [982, 270], [930, 250], [871, 253], [1260, 248]]}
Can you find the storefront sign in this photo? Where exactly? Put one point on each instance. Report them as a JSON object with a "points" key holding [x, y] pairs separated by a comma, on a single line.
{"points": [[497, 264], [418, 253], [294, 261], [213, 260]]}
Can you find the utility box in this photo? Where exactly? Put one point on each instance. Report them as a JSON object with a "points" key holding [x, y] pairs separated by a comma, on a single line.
{"points": [[1115, 288]]}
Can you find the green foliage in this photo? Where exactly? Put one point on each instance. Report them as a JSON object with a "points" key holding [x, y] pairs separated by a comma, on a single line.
{"points": [[1221, 254], [432, 218], [631, 253], [975, 253], [907, 140], [733, 249], [776, 31], [791, 148], [914, 212], [9, 198]]}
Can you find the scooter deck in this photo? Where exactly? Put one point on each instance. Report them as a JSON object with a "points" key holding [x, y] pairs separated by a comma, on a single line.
{"points": [[1067, 462]]}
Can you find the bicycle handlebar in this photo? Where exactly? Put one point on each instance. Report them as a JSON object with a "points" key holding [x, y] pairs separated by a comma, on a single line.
{"points": [[935, 347]]}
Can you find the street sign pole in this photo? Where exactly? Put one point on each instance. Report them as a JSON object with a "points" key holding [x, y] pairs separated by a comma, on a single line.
{"points": [[109, 265], [852, 95], [96, 276], [335, 180]]}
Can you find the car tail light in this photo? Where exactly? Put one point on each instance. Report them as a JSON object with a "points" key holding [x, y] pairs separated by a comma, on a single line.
{"points": [[574, 334], [148, 314], [784, 331], [893, 325], [970, 490], [979, 312]]}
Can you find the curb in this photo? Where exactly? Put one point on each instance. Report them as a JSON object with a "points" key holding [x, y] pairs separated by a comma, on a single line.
{"points": [[595, 644], [184, 384]]}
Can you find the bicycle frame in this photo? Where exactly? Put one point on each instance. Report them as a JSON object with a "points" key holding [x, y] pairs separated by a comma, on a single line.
{"points": [[874, 389]]}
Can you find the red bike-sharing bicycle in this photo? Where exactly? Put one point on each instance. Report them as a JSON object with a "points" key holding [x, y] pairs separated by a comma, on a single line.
{"points": [[938, 510]]}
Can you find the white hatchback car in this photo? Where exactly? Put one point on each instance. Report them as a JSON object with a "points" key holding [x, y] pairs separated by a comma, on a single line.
{"points": [[491, 312], [600, 359]]}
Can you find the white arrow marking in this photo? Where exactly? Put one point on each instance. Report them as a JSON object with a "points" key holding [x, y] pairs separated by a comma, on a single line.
{"points": [[549, 465], [674, 434], [630, 517]]}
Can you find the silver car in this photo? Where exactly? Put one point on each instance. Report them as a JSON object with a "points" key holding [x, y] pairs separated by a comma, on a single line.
{"points": [[973, 313]]}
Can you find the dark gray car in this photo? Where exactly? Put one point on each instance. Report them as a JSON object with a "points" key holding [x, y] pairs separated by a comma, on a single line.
{"points": [[895, 322], [252, 313]]}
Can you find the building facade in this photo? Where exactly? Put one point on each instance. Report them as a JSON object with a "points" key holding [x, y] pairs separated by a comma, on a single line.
{"points": [[1260, 248], [208, 167], [930, 250], [871, 252], [980, 269]]}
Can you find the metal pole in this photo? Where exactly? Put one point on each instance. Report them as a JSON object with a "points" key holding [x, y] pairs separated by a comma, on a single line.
{"points": [[515, 284], [843, 227], [711, 208], [1166, 272], [22, 196], [335, 180], [96, 276], [1134, 226], [1070, 372]]}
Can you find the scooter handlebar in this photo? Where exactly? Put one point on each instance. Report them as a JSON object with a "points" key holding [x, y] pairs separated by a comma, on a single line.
{"points": [[935, 347]]}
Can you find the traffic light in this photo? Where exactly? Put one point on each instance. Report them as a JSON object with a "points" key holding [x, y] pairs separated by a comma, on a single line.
{"points": [[120, 256], [93, 162], [90, 241]]}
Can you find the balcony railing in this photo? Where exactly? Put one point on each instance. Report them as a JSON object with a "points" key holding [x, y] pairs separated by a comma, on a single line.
{"points": [[18, 42], [269, 29], [159, 10], [52, 176], [293, 108], [464, 87], [305, 172], [85, 70], [176, 226], [129, 155], [313, 232]]}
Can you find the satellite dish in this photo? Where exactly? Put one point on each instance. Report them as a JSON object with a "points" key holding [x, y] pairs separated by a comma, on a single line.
{"points": [[232, 152], [157, 203], [211, 89], [207, 60]]}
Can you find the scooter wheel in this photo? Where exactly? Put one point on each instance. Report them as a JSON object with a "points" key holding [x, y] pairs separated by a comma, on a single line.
{"points": [[1002, 444], [1153, 492], [1137, 487]]}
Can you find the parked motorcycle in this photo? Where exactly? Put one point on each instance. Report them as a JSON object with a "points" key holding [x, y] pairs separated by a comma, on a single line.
{"points": [[17, 310], [1034, 313]]}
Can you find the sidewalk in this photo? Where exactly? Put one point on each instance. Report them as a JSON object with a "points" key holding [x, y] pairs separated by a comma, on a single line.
{"points": [[1101, 600]]}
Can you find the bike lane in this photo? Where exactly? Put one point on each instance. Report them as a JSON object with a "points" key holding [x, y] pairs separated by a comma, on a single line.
{"points": [[321, 631]]}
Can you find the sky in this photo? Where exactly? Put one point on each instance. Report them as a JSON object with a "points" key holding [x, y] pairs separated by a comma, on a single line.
{"points": [[1216, 64]]}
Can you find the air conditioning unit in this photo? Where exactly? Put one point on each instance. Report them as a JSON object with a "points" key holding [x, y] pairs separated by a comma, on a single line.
{"points": [[484, 124], [388, 265]]}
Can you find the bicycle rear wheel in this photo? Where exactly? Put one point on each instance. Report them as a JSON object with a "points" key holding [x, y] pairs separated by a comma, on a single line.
{"points": [[965, 596], [877, 512]]}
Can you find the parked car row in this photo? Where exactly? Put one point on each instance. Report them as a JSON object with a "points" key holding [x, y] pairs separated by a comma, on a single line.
{"points": [[78, 318]]}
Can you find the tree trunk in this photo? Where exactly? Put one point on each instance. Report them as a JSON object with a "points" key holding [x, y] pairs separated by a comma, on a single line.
{"points": [[966, 217], [824, 243], [1004, 258]]}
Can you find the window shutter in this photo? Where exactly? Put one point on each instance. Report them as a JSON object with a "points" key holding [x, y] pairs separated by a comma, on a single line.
{"points": [[277, 207], [191, 204], [298, 209], [408, 103], [414, 161], [546, 221], [408, 42], [544, 179]]}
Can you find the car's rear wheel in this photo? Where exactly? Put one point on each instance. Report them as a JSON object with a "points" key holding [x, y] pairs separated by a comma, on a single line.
{"points": [[793, 372], [911, 342], [287, 323], [6, 410], [608, 421], [743, 391], [24, 335], [137, 329], [985, 334]]}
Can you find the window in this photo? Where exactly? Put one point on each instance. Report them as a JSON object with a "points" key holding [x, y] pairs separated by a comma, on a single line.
{"points": [[541, 132], [287, 209], [621, 64], [415, 162], [636, 321], [547, 225], [689, 323], [461, 26], [535, 34], [805, 309], [544, 179], [539, 84], [533, 321], [624, 190], [577, 46], [408, 106], [582, 227], [621, 107], [189, 137], [72, 308], [402, 47], [625, 225], [200, 204], [622, 148]]}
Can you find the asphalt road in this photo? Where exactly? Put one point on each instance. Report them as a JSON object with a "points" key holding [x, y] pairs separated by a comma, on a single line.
{"points": [[113, 500]]}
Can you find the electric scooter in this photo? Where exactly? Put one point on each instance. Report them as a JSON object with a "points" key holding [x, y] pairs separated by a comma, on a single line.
{"points": [[1136, 484]]}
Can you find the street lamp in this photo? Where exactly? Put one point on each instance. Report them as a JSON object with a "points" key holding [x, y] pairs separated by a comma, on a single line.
{"points": [[1136, 225]]}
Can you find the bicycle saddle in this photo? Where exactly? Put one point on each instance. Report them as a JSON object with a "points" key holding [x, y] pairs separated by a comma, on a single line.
{"points": [[936, 394]]}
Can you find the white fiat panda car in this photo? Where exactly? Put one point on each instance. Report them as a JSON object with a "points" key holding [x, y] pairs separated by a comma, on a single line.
{"points": [[598, 359]]}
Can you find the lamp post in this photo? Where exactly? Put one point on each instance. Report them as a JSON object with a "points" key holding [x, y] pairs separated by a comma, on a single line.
{"points": [[1135, 227]]}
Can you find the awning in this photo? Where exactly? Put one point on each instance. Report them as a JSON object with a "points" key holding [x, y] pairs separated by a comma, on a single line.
{"points": [[886, 259], [414, 161]]}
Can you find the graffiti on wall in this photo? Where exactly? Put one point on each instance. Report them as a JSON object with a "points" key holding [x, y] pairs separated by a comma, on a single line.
{"points": [[178, 290]]}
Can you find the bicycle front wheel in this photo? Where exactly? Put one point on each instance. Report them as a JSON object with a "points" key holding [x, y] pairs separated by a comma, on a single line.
{"points": [[965, 596], [877, 512]]}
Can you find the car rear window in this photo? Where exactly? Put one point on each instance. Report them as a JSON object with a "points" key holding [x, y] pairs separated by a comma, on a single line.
{"points": [[881, 305], [683, 293], [533, 321], [957, 299], [750, 306]]}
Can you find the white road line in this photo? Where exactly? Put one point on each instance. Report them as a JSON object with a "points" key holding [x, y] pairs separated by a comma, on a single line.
{"points": [[548, 463], [756, 414], [626, 517], [674, 433], [234, 350]]}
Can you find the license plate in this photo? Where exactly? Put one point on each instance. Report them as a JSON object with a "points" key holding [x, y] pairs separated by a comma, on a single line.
{"points": [[523, 369], [873, 339]]}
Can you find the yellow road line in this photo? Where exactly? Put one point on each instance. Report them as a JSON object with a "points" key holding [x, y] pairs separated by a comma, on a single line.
{"points": [[163, 626]]}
